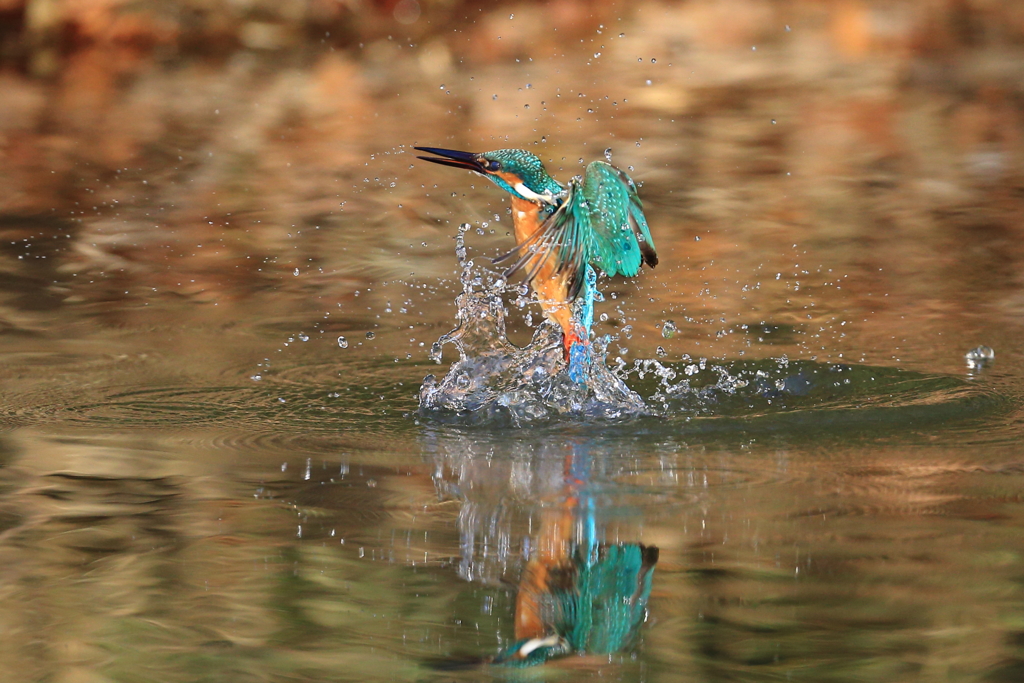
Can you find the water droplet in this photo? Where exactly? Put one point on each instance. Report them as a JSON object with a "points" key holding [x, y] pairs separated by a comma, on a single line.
{"points": [[622, 35], [494, 97], [773, 122], [596, 55], [696, 238], [648, 81], [608, 154], [370, 335], [372, 483], [296, 273], [442, 87], [979, 357], [753, 47], [303, 336], [660, 352], [653, 60], [342, 342], [526, 106], [787, 27], [668, 329]]}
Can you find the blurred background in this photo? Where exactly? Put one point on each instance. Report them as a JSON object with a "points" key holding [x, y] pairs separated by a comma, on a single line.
{"points": [[206, 150], [222, 269]]}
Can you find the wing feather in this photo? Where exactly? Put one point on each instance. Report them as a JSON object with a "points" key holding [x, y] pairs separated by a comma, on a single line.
{"points": [[564, 236], [620, 240], [601, 221]]}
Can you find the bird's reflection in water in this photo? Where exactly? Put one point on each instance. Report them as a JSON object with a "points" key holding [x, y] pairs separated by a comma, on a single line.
{"points": [[584, 578]]}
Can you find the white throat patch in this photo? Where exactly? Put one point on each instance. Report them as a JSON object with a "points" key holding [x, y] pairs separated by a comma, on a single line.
{"points": [[532, 644], [527, 193]]}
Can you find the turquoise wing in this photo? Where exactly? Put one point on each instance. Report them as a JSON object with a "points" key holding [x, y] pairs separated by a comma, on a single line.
{"points": [[618, 587], [601, 221], [620, 239], [565, 236]]}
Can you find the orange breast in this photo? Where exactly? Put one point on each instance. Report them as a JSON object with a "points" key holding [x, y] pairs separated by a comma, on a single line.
{"points": [[526, 218], [551, 561], [551, 288]]}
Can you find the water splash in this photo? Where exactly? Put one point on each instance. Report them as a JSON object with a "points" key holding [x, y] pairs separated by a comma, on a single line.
{"points": [[495, 379]]}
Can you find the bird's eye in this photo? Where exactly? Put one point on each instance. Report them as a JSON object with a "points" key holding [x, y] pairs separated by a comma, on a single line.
{"points": [[493, 165]]}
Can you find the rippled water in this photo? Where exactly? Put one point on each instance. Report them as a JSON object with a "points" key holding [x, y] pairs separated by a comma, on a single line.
{"points": [[222, 276]]}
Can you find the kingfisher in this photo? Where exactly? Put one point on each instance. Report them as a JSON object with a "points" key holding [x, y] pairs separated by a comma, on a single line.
{"points": [[576, 595], [562, 232], [591, 601]]}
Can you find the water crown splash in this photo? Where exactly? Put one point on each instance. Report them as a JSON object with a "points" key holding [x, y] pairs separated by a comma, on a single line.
{"points": [[493, 378]]}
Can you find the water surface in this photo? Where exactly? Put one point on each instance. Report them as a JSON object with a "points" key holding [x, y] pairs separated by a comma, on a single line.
{"points": [[200, 482]]}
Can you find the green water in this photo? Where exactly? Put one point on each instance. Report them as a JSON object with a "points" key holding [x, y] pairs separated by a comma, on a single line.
{"points": [[198, 482]]}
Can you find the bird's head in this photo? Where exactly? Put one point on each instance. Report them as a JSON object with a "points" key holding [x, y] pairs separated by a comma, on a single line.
{"points": [[532, 651], [518, 172]]}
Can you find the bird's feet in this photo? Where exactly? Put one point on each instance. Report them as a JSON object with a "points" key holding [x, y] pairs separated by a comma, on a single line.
{"points": [[577, 355], [568, 339]]}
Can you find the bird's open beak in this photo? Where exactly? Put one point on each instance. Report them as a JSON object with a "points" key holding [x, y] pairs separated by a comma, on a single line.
{"points": [[451, 157]]}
